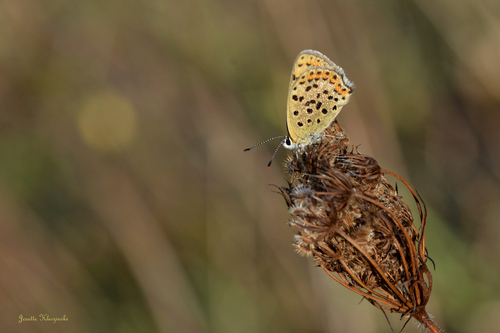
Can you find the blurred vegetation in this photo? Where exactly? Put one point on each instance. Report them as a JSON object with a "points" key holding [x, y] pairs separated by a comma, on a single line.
{"points": [[128, 205]]}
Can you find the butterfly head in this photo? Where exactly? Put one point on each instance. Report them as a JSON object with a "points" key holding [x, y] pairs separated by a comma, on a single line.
{"points": [[288, 144]]}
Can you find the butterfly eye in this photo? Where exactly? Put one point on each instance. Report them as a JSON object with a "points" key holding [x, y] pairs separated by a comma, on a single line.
{"points": [[288, 142]]}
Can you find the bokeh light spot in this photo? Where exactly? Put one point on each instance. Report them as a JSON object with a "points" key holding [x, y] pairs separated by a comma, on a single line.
{"points": [[107, 121]]}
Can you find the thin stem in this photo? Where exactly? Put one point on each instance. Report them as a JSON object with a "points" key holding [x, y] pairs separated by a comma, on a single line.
{"points": [[426, 321]]}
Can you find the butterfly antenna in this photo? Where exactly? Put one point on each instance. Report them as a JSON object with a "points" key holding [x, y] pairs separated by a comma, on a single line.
{"points": [[276, 137], [276, 151]]}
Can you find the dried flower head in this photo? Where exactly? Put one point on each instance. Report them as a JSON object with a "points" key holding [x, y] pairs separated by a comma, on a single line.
{"points": [[356, 226]]}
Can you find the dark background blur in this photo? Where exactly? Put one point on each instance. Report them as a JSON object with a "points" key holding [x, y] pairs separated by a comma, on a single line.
{"points": [[128, 205]]}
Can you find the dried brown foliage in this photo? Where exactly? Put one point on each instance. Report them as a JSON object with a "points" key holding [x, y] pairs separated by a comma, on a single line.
{"points": [[356, 226]]}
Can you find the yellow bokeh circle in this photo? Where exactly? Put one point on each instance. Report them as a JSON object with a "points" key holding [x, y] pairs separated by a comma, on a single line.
{"points": [[107, 121]]}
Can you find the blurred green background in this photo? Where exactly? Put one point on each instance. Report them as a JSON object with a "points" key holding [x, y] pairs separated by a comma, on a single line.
{"points": [[128, 205]]}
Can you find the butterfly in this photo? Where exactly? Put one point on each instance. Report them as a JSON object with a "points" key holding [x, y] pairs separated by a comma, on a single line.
{"points": [[317, 92]]}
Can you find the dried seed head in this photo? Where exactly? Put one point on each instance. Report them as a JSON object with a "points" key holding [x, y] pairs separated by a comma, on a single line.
{"points": [[356, 226]]}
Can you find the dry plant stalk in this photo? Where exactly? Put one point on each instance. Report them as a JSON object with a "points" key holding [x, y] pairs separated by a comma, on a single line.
{"points": [[356, 226]]}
